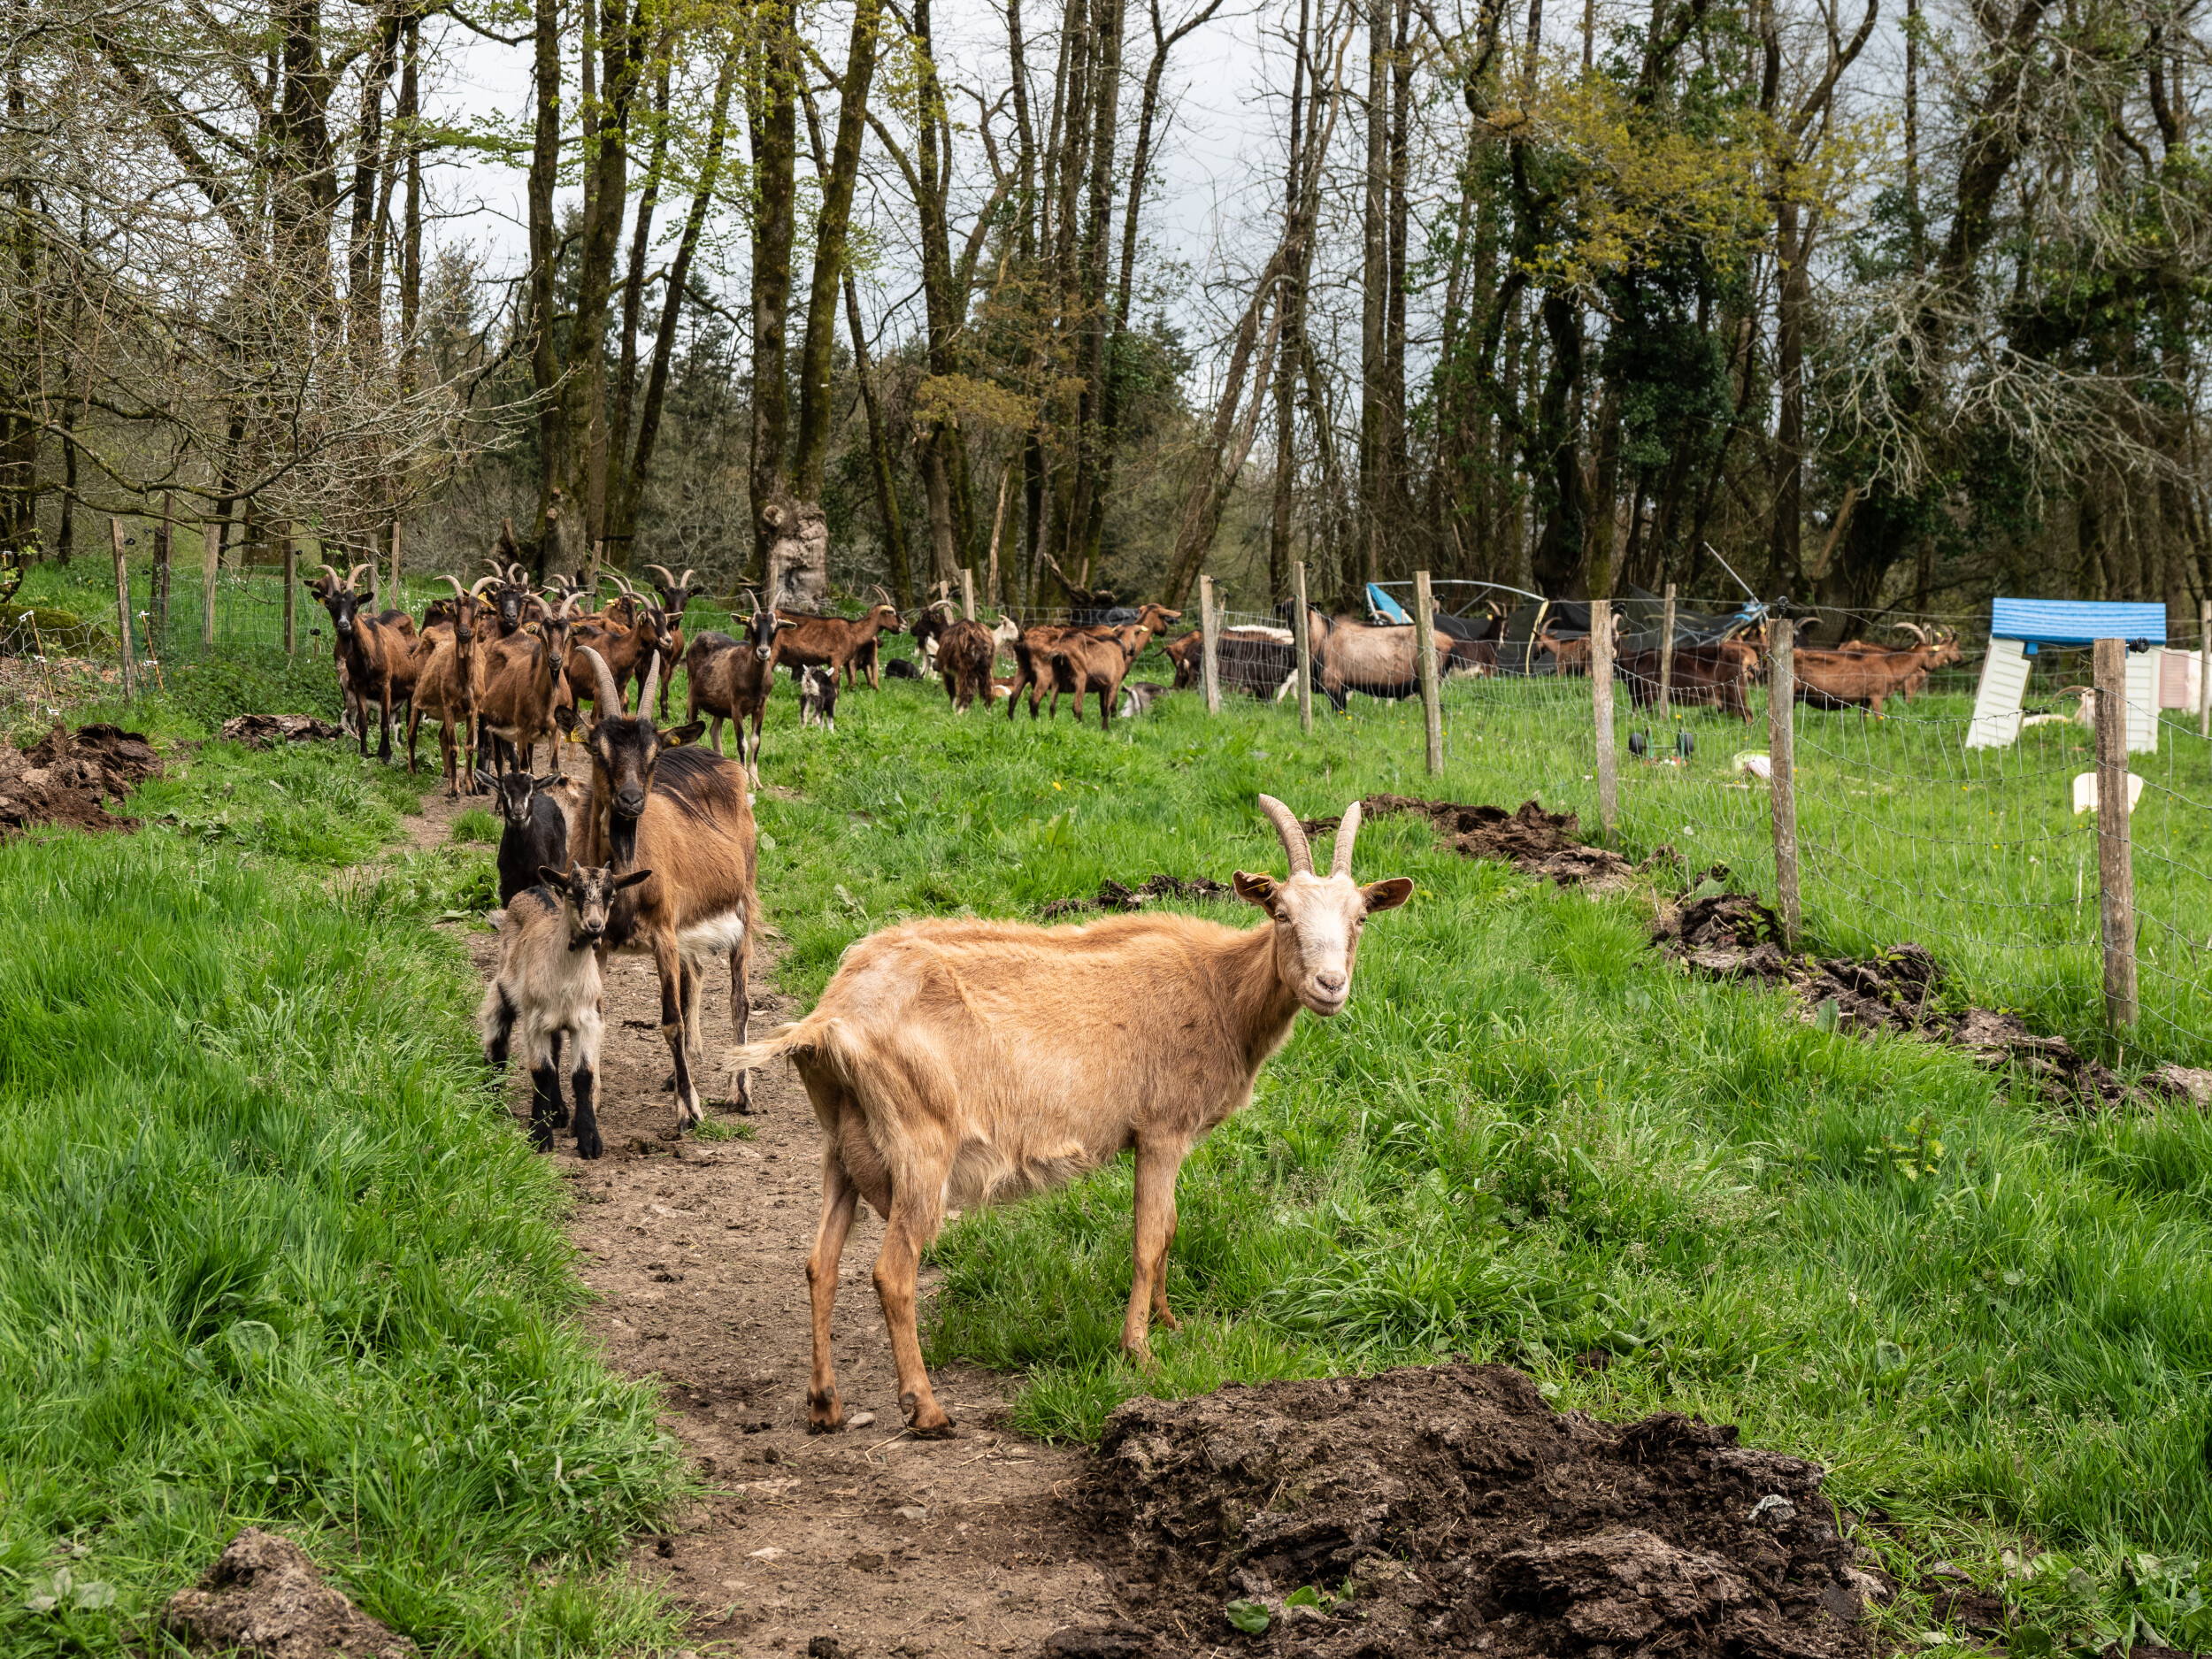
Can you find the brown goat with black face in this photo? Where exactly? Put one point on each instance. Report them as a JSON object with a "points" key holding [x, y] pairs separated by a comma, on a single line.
{"points": [[730, 680], [676, 595], [449, 661], [686, 816], [966, 653], [524, 700], [956, 1062], [376, 661]]}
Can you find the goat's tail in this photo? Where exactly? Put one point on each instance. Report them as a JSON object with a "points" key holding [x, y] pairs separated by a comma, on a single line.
{"points": [[495, 1023], [801, 1039]]}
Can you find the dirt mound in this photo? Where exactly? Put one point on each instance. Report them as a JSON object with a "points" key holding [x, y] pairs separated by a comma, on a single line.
{"points": [[66, 775], [1112, 896], [1469, 1516], [259, 731], [1529, 839], [1731, 936], [264, 1597]]}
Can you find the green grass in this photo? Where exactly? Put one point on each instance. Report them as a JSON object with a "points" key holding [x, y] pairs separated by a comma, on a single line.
{"points": [[1529, 1138], [476, 824], [272, 1252]]}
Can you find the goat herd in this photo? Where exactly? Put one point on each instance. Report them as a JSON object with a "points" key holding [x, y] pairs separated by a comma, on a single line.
{"points": [[937, 1071]]}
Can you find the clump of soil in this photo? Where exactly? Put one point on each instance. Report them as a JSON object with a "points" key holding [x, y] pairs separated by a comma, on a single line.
{"points": [[1112, 896], [259, 731], [1528, 838], [1731, 936], [264, 1597], [1469, 1516], [66, 775]]}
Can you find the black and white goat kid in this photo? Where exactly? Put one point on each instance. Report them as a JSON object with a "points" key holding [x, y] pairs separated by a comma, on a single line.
{"points": [[817, 699], [549, 988]]}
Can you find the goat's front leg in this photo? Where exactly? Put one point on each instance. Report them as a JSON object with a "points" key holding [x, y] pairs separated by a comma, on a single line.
{"points": [[824, 1412], [907, 1232], [1158, 1167], [545, 1089], [742, 1004], [583, 1083], [671, 967]]}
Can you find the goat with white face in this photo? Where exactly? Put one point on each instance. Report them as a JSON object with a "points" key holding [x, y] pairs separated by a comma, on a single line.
{"points": [[958, 1062], [548, 987]]}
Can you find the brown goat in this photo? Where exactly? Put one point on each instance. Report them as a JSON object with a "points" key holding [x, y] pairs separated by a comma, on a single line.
{"points": [[676, 595], [376, 660], [836, 642], [685, 815], [966, 653], [1080, 665], [957, 1062], [730, 680], [450, 676], [1710, 674], [525, 697]]}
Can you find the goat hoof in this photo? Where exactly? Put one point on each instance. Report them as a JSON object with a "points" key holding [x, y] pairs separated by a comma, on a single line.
{"points": [[560, 1118], [541, 1137], [590, 1146]]}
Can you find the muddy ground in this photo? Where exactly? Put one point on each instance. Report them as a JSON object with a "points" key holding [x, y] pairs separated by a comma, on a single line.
{"points": [[65, 779]]}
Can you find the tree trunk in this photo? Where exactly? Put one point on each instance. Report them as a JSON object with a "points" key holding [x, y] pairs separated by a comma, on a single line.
{"points": [[771, 117]]}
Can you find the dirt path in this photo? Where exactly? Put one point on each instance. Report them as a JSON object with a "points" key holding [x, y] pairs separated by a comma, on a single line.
{"points": [[863, 1543]]}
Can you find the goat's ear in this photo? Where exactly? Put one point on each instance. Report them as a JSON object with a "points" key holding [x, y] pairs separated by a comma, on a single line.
{"points": [[1387, 895], [632, 878], [1252, 889], [557, 880], [546, 782], [676, 736], [565, 716], [486, 779]]}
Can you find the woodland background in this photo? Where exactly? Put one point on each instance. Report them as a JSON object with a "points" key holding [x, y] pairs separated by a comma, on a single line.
{"points": [[1884, 310]]}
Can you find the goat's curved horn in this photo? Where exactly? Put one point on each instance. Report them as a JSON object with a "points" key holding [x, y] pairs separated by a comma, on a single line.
{"points": [[667, 580], [1918, 632], [752, 602], [1340, 861], [483, 582], [459, 592], [566, 602], [1285, 822], [604, 695], [335, 579], [652, 684], [354, 574], [883, 593], [688, 574]]}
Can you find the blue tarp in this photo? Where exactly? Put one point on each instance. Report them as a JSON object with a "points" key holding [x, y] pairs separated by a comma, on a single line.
{"points": [[2075, 621], [1390, 611]]}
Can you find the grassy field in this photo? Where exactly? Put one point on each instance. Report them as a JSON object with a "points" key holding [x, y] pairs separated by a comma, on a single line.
{"points": [[1530, 1139], [271, 1251]]}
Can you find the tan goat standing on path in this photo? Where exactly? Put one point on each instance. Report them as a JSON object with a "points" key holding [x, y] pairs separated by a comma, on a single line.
{"points": [[962, 1063]]}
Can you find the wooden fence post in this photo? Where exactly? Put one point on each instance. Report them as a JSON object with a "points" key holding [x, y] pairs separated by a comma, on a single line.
{"points": [[394, 598], [157, 621], [1666, 652], [967, 593], [291, 591], [122, 603], [1209, 642], [591, 577], [1425, 667], [1602, 707], [1304, 635], [1781, 712], [2204, 671], [2115, 863], [210, 553]]}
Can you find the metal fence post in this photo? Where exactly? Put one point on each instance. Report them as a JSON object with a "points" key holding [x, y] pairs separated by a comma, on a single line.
{"points": [[1602, 709], [157, 621], [1425, 665], [967, 591], [291, 593], [1209, 642], [2115, 864], [122, 604], [1666, 651], [1304, 635], [1781, 710], [212, 539]]}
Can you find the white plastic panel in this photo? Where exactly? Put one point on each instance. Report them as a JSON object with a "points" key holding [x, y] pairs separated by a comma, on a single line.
{"points": [[1997, 704]]}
